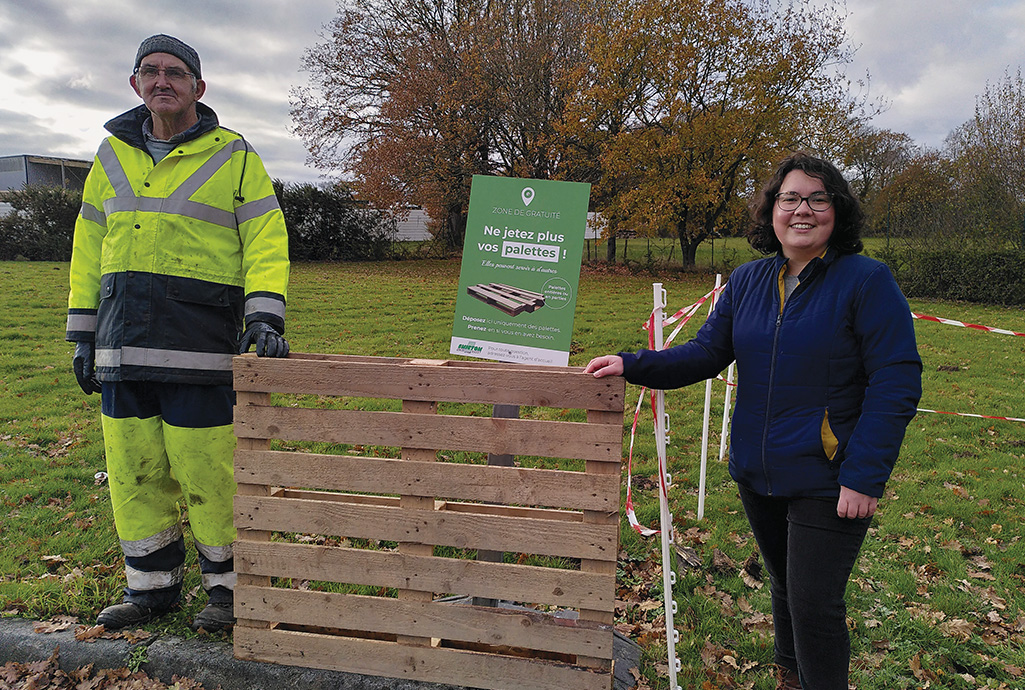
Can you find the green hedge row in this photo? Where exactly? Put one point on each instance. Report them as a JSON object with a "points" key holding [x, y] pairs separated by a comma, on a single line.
{"points": [[324, 224], [985, 276]]}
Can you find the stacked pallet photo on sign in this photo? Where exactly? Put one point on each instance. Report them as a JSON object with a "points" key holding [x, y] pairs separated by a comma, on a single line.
{"points": [[512, 300]]}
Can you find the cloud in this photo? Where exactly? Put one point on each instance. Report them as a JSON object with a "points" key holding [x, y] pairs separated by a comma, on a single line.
{"points": [[931, 58], [66, 66]]}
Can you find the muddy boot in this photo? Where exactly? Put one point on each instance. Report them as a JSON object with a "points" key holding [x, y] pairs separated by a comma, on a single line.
{"points": [[215, 617], [125, 615]]}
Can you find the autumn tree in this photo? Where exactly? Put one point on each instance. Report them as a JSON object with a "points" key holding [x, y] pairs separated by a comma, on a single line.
{"points": [[706, 96], [414, 97], [874, 157], [918, 206], [989, 154]]}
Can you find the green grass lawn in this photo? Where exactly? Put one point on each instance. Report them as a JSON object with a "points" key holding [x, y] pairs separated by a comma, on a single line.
{"points": [[937, 597]]}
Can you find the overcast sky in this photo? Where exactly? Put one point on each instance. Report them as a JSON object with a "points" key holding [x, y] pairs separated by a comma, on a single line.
{"points": [[64, 65]]}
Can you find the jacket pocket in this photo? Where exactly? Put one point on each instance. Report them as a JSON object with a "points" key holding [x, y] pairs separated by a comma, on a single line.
{"points": [[197, 292], [830, 443]]}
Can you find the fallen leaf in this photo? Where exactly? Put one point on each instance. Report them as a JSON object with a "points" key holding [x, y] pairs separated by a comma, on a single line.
{"points": [[57, 624], [89, 633], [957, 628]]}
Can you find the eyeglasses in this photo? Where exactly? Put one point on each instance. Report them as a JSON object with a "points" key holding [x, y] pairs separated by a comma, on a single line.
{"points": [[149, 73], [789, 201]]}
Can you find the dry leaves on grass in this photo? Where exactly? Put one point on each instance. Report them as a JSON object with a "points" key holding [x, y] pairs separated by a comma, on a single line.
{"points": [[47, 675]]}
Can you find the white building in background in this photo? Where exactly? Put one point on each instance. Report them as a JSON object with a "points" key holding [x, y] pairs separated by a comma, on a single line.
{"points": [[411, 225]]}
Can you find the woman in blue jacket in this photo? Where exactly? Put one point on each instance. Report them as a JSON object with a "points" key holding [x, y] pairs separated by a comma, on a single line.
{"points": [[829, 378]]}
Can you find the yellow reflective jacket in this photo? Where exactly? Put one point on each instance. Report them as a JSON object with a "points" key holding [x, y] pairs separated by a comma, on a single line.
{"points": [[170, 260]]}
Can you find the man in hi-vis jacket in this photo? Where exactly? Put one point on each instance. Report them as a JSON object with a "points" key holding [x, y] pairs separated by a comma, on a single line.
{"points": [[180, 261]]}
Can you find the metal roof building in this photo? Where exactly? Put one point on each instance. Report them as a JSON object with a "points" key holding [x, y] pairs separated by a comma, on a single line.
{"points": [[18, 171], [21, 170]]}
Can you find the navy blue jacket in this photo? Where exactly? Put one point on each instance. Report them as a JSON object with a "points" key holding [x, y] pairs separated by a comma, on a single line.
{"points": [[826, 385]]}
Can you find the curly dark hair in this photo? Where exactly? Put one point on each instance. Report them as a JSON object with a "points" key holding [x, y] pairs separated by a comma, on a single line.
{"points": [[846, 237]]}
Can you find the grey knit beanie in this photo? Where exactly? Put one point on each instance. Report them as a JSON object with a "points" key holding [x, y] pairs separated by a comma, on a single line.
{"points": [[162, 43]]}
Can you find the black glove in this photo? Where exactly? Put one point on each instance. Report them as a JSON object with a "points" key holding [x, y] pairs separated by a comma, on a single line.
{"points": [[84, 365], [269, 343]]}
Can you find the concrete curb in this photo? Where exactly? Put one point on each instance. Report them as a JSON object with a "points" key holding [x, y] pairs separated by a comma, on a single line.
{"points": [[212, 663]]}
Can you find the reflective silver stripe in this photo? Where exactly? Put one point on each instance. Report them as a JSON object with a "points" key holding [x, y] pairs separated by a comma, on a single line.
{"points": [[202, 175], [144, 547], [171, 359], [194, 209], [118, 204], [180, 207], [115, 171], [158, 579], [267, 305], [218, 554], [177, 359], [90, 212], [178, 201], [108, 358], [226, 580], [255, 209], [82, 322]]}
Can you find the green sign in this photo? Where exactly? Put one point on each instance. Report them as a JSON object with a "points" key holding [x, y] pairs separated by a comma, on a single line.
{"points": [[520, 270]]}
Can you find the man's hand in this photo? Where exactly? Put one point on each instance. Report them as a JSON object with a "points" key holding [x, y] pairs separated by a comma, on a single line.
{"points": [[607, 365], [269, 343], [84, 364], [855, 505]]}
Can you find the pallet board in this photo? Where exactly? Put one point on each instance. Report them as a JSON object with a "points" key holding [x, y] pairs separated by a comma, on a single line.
{"points": [[393, 538], [512, 300]]}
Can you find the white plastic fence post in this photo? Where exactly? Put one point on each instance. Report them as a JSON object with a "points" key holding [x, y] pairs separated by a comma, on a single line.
{"points": [[704, 423], [724, 437], [665, 517]]}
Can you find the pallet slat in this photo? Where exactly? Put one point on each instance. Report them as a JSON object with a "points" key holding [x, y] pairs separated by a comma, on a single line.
{"points": [[539, 585], [493, 626], [433, 664], [443, 528], [510, 485], [455, 381], [449, 432]]}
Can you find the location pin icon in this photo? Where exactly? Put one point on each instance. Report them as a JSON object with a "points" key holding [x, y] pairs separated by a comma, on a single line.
{"points": [[527, 195]]}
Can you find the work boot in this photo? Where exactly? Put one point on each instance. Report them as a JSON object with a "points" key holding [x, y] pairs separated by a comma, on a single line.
{"points": [[125, 615], [215, 617], [787, 679]]}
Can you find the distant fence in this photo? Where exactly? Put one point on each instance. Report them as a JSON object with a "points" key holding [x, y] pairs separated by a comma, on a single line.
{"points": [[400, 532], [411, 226]]}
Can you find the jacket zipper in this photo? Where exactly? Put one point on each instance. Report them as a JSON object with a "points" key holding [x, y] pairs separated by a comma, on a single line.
{"points": [[768, 398]]}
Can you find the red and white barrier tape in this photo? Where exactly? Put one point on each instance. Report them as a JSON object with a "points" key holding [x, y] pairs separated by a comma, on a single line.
{"points": [[686, 314], [977, 416], [962, 324]]}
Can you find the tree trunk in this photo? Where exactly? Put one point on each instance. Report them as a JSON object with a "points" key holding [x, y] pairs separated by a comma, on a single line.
{"points": [[610, 249], [456, 228], [688, 250]]}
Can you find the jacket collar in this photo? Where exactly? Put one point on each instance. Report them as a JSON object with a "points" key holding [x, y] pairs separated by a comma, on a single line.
{"points": [[128, 125], [816, 264]]}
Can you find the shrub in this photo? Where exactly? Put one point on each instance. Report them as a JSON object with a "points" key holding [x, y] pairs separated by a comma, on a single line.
{"points": [[41, 225], [988, 276], [328, 224]]}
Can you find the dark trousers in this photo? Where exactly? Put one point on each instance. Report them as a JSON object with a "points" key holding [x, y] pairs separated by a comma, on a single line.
{"points": [[809, 553]]}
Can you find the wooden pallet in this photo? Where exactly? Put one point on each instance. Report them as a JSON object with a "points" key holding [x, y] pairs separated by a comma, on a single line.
{"points": [[396, 626], [512, 300]]}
